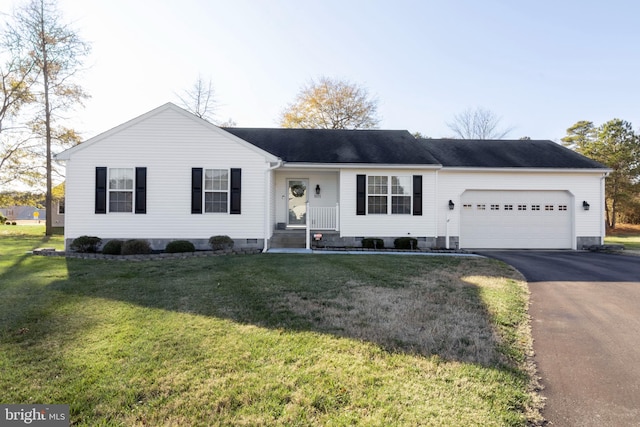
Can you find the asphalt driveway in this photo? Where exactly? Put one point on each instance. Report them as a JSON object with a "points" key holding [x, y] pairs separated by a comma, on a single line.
{"points": [[585, 310]]}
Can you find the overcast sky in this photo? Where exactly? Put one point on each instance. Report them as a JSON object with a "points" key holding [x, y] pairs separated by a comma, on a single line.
{"points": [[540, 65]]}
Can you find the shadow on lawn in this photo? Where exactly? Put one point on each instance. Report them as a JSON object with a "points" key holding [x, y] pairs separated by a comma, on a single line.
{"points": [[418, 305]]}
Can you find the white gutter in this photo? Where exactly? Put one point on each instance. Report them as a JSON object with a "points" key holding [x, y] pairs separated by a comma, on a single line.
{"points": [[528, 170], [437, 199], [307, 241], [603, 200], [267, 206], [339, 166]]}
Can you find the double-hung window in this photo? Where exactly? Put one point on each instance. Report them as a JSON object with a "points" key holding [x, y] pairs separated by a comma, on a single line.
{"points": [[120, 189], [216, 190], [377, 194], [401, 195], [384, 192]]}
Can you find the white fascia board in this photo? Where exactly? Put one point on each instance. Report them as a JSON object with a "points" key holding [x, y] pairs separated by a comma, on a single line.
{"points": [[356, 166], [527, 170]]}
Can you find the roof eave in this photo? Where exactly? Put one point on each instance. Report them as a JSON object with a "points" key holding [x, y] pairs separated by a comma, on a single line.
{"points": [[523, 169], [306, 165]]}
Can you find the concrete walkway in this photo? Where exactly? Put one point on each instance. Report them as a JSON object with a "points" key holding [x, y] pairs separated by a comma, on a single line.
{"points": [[355, 252]]}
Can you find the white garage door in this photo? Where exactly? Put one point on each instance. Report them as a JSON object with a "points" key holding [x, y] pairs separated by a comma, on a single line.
{"points": [[516, 220]]}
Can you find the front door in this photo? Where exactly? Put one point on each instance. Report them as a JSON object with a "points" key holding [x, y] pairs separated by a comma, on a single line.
{"points": [[297, 205]]}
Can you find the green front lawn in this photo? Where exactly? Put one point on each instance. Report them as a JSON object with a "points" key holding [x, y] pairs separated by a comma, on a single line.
{"points": [[268, 339], [630, 242]]}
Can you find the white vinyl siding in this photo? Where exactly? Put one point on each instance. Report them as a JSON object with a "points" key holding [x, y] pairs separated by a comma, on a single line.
{"points": [[169, 144], [352, 225], [582, 186]]}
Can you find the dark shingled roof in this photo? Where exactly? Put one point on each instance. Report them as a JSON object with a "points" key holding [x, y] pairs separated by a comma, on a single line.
{"points": [[507, 154], [400, 147], [338, 146]]}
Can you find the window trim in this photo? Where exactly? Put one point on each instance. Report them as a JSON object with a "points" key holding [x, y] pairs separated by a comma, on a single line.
{"points": [[111, 191], [234, 190], [389, 194], [226, 191], [103, 191]]}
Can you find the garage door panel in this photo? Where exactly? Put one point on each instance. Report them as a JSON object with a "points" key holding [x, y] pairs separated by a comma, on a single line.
{"points": [[516, 219]]}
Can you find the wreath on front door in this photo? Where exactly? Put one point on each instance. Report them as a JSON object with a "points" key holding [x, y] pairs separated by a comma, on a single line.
{"points": [[298, 190]]}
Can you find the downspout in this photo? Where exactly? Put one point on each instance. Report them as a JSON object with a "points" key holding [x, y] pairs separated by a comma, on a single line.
{"points": [[267, 205], [307, 241], [437, 209], [603, 229]]}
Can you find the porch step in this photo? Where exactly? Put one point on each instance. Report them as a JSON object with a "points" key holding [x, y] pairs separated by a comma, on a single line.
{"points": [[288, 239]]}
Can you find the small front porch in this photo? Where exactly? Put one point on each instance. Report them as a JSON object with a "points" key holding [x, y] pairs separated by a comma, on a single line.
{"points": [[305, 202], [316, 220], [297, 239]]}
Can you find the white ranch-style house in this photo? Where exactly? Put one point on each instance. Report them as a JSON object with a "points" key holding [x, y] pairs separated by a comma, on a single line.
{"points": [[169, 175]]}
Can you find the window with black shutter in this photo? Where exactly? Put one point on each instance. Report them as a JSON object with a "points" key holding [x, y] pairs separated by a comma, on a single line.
{"points": [[196, 190], [101, 190], [141, 191]]}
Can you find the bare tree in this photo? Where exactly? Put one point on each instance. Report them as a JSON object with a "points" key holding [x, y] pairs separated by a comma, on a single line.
{"points": [[56, 52], [229, 123], [200, 99], [478, 123], [331, 104]]}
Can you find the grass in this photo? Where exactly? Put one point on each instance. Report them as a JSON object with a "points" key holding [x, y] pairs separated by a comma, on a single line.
{"points": [[625, 234], [265, 339]]}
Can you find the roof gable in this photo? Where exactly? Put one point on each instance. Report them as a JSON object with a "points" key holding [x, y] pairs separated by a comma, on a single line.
{"points": [[507, 154], [338, 146], [66, 155]]}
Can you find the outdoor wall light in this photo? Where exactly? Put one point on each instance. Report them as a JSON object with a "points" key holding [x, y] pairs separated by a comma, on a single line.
{"points": [[451, 205], [585, 205], [317, 189]]}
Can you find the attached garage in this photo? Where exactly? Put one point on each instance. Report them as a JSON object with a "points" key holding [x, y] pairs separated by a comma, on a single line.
{"points": [[516, 219], [517, 194]]}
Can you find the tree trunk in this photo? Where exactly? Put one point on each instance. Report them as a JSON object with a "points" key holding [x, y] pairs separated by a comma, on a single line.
{"points": [[47, 124], [614, 214]]}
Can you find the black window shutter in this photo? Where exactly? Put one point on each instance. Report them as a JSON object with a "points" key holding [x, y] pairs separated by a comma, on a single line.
{"points": [[417, 194], [361, 194], [236, 191], [101, 190], [141, 191], [196, 190]]}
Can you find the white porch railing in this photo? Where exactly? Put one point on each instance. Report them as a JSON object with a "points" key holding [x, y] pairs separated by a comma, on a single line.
{"points": [[325, 218]]}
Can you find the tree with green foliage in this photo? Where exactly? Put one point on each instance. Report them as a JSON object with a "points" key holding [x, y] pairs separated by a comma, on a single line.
{"points": [[420, 135], [56, 53], [16, 147], [615, 145], [581, 137], [331, 104], [21, 198]]}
